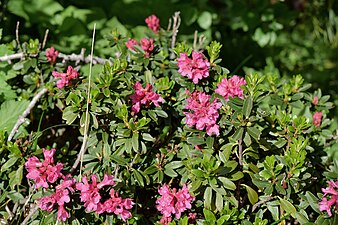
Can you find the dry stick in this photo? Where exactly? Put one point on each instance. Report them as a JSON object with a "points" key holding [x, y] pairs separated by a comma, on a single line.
{"points": [[72, 57], [45, 39], [21, 118], [31, 213], [176, 25], [17, 35], [85, 136], [240, 152], [195, 41]]}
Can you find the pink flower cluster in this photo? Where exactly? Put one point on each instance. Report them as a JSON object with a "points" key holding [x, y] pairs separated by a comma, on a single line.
{"points": [[146, 44], [325, 204], [153, 22], [144, 96], [202, 113], [317, 118], [195, 68], [93, 200], [60, 197], [173, 202], [44, 172], [65, 77], [231, 88], [51, 55]]}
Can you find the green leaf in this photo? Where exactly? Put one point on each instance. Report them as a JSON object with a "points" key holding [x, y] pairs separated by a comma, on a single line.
{"points": [[247, 107], [134, 141], [205, 20], [174, 164], [254, 132], [228, 184], [196, 140], [207, 197], [313, 201], [151, 169], [10, 162], [148, 137], [138, 177], [15, 196], [209, 216], [219, 201], [238, 134], [170, 172], [16, 180], [197, 173], [69, 114], [252, 194], [9, 113], [161, 113], [287, 206]]}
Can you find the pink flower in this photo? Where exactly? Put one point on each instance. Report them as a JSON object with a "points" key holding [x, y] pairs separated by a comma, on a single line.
{"points": [[195, 69], [165, 220], [317, 118], [231, 87], [131, 43], [325, 204], [315, 100], [202, 113], [153, 22], [65, 78], [172, 202], [45, 172], [90, 192], [51, 55], [147, 46], [62, 213], [117, 205], [60, 197], [144, 96]]}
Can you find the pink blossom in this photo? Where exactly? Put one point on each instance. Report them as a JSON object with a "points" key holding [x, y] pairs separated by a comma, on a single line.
{"points": [[147, 46], [62, 213], [117, 205], [90, 192], [65, 78], [45, 172], [51, 55], [325, 204], [173, 202], [131, 43], [192, 218], [202, 113], [231, 87], [60, 197], [144, 96], [153, 22], [165, 220], [196, 68], [317, 118], [315, 100]]}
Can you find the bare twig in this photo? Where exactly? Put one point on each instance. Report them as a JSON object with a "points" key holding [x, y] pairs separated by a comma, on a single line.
{"points": [[261, 202], [45, 39], [85, 135], [17, 35], [65, 58], [29, 216], [9, 58], [176, 25], [21, 119], [195, 41], [80, 58], [240, 152]]}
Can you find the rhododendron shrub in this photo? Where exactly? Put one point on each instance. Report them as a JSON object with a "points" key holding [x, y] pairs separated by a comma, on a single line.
{"points": [[155, 130]]}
